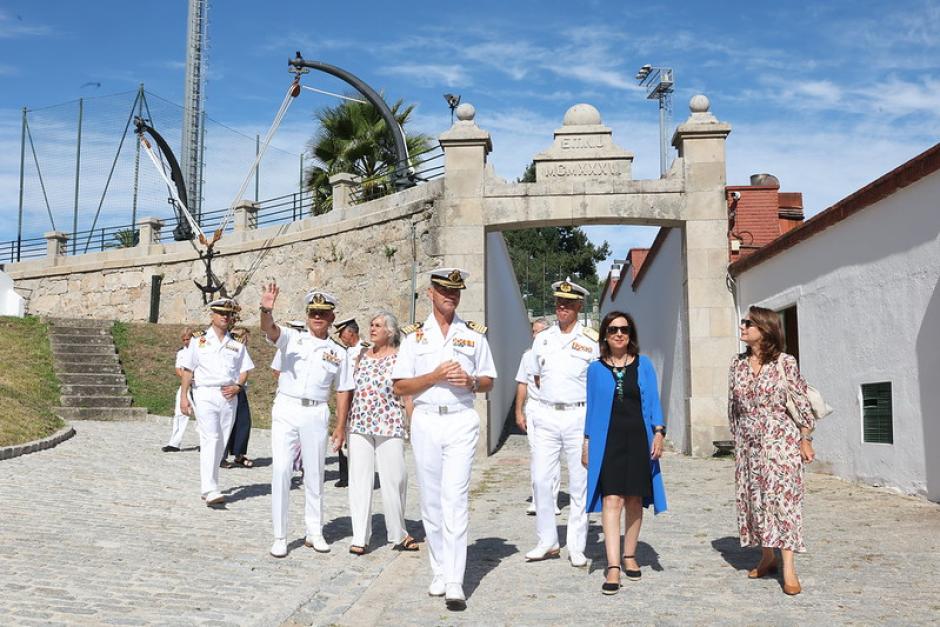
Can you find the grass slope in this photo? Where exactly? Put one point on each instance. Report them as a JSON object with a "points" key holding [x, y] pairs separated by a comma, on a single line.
{"points": [[148, 355], [29, 389]]}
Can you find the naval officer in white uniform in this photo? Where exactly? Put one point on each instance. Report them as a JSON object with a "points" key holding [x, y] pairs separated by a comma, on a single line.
{"points": [[561, 357], [443, 363], [311, 365], [215, 368], [527, 400]]}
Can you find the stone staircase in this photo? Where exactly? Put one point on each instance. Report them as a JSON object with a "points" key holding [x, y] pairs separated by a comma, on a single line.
{"points": [[93, 386]]}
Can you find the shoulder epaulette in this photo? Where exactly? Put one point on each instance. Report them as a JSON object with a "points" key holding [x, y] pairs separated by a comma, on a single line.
{"points": [[198, 333], [411, 328], [476, 326], [590, 333], [338, 343]]}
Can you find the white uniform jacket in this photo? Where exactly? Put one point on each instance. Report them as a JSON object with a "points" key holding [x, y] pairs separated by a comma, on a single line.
{"points": [[311, 367], [424, 349], [526, 374], [561, 362], [215, 362]]}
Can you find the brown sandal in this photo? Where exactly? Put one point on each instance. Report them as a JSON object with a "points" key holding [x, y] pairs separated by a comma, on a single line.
{"points": [[244, 462], [355, 549], [408, 544]]}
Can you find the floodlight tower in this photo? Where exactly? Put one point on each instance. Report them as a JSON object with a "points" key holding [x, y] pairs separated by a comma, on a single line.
{"points": [[660, 84], [191, 151]]}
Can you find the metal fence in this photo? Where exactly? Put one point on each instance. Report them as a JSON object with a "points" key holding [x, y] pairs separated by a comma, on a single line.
{"points": [[80, 168], [81, 173]]}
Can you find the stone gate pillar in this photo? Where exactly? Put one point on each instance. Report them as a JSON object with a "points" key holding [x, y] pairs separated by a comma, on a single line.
{"points": [[710, 323], [458, 235]]}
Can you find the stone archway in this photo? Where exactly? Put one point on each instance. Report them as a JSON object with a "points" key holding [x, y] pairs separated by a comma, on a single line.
{"points": [[584, 178]]}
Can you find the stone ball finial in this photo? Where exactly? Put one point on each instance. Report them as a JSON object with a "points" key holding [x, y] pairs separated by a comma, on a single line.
{"points": [[466, 112], [582, 115], [699, 104]]}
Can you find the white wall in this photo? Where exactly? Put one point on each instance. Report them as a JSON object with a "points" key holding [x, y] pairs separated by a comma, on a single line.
{"points": [[657, 307], [868, 307], [11, 303], [509, 332]]}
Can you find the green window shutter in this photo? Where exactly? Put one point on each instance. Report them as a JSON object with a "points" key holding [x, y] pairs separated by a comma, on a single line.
{"points": [[877, 418]]}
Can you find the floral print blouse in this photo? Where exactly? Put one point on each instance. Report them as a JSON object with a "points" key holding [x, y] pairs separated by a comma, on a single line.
{"points": [[768, 465], [375, 408]]}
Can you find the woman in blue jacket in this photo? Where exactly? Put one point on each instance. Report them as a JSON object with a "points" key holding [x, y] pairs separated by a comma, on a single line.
{"points": [[623, 441]]}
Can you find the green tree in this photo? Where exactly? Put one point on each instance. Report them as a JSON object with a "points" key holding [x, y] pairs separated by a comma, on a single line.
{"points": [[544, 255], [354, 138], [125, 238]]}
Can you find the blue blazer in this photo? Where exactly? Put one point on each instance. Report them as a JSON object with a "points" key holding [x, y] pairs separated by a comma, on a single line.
{"points": [[600, 400]]}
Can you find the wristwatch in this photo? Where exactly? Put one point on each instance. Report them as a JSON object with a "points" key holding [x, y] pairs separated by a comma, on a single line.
{"points": [[808, 438], [476, 384], [659, 429], [266, 310]]}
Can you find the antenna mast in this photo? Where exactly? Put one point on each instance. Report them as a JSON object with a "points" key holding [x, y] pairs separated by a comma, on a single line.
{"points": [[193, 99]]}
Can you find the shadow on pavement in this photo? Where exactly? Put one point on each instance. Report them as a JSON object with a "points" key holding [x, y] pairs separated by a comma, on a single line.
{"points": [[240, 493], [741, 558], [483, 556]]}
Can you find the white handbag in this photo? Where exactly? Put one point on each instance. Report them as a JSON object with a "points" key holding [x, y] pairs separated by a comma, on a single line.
{"points": [[817, 403]]}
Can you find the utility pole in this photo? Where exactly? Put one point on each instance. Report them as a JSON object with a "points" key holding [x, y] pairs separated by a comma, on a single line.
{"points": [[659, 83], [19, 221]]}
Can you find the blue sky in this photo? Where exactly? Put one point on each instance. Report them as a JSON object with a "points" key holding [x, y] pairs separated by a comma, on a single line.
{"points": [[827, 96]]}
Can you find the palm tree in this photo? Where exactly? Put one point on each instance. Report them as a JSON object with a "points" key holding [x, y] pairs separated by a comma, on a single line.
{"points": [[354, 138]]}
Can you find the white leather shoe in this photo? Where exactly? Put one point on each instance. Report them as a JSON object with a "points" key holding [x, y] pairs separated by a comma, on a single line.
{"points": [[577, 559], [317, 543], [215, 498], [557, 510], [540, 553], [279, 548], [454, 597], [530, 510], [437, 587]]}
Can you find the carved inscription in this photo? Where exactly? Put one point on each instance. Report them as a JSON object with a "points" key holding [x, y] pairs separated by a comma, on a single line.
{"points": [[586, 168], [569, 143]]}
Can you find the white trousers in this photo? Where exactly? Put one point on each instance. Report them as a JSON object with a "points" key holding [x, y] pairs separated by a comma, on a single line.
{"points": [[444, 446], [180, 420], [215, 416], [530, 427], [557, 433], [368, 453], [292, 424]]}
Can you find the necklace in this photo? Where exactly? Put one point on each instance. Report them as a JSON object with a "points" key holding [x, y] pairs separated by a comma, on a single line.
{"points": [[618, 372]]}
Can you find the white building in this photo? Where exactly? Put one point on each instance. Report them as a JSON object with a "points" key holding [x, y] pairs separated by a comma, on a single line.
{"points": [[857, 287]]}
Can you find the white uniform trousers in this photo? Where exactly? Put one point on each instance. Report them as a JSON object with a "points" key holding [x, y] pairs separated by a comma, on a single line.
{"points": [[530, 427], [180, 420], [293, 424], [444, 446], [368, 453], [559, 431], [215, 416]]}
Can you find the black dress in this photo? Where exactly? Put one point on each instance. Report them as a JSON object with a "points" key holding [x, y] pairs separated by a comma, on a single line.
{"points": [[625, 470]]}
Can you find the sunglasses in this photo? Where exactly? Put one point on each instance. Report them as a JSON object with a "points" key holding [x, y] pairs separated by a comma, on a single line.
{"points": [[612, 330], [747, 324]]}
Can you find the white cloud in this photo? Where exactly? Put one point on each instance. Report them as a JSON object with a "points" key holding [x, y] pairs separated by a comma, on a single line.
{"points": [[14, 26], [431, 74]]}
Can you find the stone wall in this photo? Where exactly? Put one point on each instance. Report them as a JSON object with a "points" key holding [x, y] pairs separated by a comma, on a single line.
{"points": [[362, 254]]}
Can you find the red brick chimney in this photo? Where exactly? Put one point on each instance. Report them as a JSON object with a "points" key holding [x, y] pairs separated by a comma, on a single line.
{"points": [[760, 213]]}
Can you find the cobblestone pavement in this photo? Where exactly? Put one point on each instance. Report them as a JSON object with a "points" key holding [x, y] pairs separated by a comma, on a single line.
{"points": [[107, 529]]}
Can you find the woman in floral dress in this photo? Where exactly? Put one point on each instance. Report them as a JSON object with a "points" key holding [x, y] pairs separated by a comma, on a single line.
{"points": [[770, 446], [377, 439]]}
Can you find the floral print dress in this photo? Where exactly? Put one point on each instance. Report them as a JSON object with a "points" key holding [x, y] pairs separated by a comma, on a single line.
{"points": [[375, 408], [768, 466]]}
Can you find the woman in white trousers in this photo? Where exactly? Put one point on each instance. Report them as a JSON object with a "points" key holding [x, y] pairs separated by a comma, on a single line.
{"points": [[376, 439]]}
